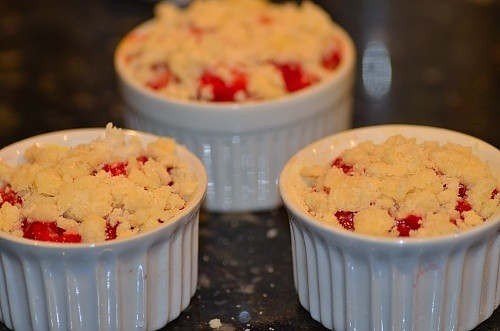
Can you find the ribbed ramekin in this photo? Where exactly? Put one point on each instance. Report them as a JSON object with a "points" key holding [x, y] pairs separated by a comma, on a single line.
{"points": [[349, 281], [139, 283], [245, 145]]}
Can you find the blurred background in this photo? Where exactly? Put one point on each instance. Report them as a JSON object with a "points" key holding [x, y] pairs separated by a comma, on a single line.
{"points": [[422, 62]]}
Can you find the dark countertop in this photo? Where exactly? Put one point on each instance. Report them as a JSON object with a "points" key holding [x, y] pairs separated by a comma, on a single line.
{"points": [[419, 62]]}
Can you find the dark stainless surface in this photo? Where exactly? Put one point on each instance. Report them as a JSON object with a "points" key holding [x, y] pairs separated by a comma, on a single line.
{"points": [[419, 62]]}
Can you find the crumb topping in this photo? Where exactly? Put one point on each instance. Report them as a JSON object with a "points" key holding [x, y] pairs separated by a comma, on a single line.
{"points": [[112, 187], [232, 50], [402, 188]]}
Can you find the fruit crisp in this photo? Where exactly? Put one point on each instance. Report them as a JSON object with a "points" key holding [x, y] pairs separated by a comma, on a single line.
{"points": [[402, 188], [232, 50], [112, 187]]}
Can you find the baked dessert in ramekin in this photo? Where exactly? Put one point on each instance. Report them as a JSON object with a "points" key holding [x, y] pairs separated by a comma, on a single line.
{"points": [[395, 225], [99, 243], [243, 119]]}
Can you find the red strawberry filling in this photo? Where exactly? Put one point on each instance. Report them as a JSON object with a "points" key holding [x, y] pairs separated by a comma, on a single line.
{"points": [[339, 163], [462, 191], [142, 159], [331, 59], [111, 231], [410, 222], [462, 204], [116, 169], [48, 231], [346, 219], [494, 194], [9, 196], [294, 76], [120, 168], [221, 90]]}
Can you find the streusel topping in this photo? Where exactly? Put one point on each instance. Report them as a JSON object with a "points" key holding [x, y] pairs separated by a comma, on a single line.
{"points": [[232, 50], [403, 188], [112, 187]]}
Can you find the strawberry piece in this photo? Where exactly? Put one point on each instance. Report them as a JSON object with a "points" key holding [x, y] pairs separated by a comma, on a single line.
{"points": [[221, 90], [162, 76], [294, 76], [331, 60], [410, 222], [9, 196], [346, 219], [142, 159], [48, 231], [463, 205], [339, 163], [494, 194], [111, 231], [462, 190], [116, 169], [169, 170]]}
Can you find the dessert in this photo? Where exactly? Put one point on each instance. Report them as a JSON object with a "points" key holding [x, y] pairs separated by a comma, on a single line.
{"points": [[109, 188], [395, 225], [401, 188], [243, 144], [89, 185], [232, 50]]}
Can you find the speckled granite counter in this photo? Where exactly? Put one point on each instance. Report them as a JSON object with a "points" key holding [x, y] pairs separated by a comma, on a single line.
{"points": [[426, 62]]}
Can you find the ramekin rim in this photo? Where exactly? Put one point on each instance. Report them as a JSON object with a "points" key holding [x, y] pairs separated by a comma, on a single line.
{"points": [[93, 132], [492, 223], [338, 77]]}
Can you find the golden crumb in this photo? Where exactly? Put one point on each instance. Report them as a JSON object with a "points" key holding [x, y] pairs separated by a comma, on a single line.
{"points": [[402, 188], [111, 184], [228, 39]]}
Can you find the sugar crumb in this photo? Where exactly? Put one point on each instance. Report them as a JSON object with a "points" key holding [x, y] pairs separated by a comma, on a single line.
{"points": [[215, 323]]}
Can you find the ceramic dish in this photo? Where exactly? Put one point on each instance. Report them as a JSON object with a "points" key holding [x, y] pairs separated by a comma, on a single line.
{"points": [[349, 281], [245, 145], [139, 283]]}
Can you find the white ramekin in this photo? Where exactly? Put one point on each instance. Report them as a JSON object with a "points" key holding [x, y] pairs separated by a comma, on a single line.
{"points": [[349, 281], [244, 146], [140, 283]]}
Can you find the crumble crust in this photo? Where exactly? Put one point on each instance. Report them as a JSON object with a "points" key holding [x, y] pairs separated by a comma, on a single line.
{"points": [[73, 187], [228, 36], [446, 188]]}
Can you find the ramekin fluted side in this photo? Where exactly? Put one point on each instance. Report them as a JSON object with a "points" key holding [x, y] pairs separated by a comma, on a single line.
{"points": [[243, 168], [120, 287], [137, 283], [346, 286]]}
